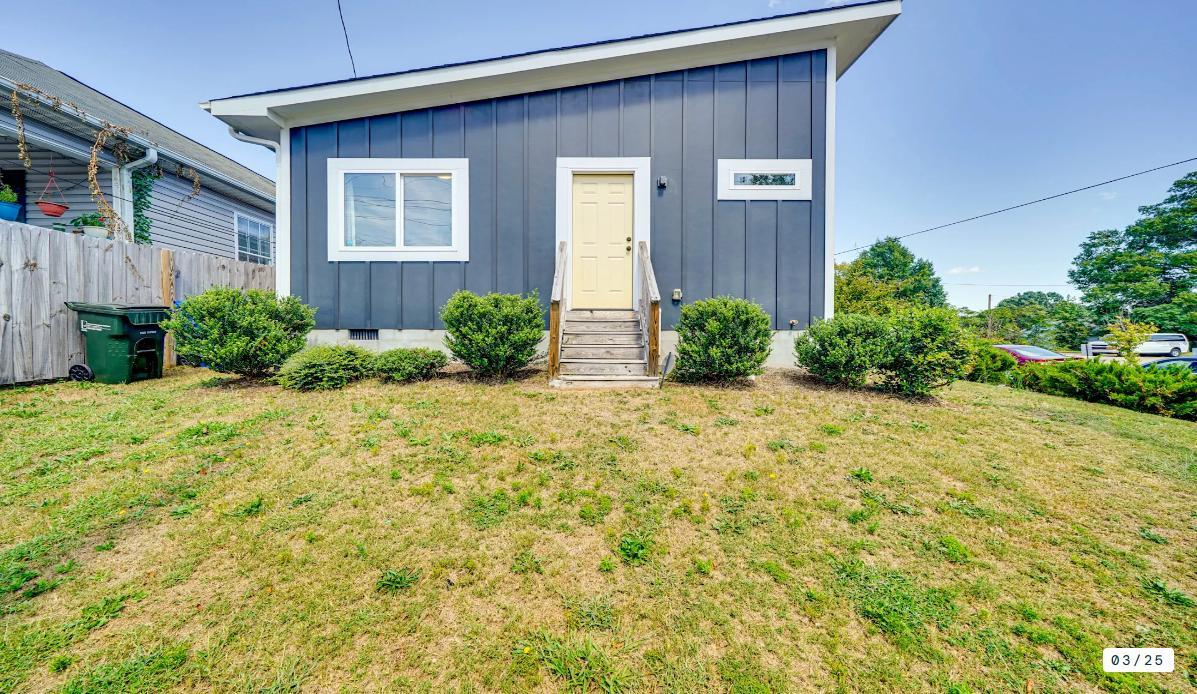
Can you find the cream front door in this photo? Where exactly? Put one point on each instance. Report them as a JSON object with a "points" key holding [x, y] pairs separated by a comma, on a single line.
{"points": [[602, 241]]}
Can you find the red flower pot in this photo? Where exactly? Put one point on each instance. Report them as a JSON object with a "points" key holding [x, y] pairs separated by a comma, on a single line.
{"points": [[52, 209]]}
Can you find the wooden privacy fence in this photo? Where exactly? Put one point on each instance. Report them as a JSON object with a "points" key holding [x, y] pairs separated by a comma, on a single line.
{"points": [[42, 268]]}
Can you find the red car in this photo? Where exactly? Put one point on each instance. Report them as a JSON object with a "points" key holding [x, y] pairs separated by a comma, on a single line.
{"points": [[1026, 353]]}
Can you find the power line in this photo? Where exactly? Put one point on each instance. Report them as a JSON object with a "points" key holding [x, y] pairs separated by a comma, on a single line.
{"points": [[1032, 202], [346, 33], [978, 284]]}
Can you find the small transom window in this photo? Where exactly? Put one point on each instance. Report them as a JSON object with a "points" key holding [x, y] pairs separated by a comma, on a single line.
{"points": [[764, 179], [398, 209]]}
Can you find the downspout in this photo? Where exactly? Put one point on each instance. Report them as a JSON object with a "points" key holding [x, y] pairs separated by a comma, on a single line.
{"points": [[268, 144], [122, 186], [280, 251]]}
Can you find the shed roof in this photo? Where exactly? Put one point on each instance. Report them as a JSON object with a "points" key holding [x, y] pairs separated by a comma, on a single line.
{"points": [[850, 29]]}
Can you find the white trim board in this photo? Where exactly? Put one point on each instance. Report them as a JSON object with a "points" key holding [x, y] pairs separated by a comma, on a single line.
{"points": [[829, 192], [282, 215], [851, 29], [640, 168]]}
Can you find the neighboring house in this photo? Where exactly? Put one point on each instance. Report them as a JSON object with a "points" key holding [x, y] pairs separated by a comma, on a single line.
{"points": [[231, 216], [713, 147]]}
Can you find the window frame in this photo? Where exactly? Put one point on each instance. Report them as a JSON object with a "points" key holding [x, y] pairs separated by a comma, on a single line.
{"points": [[459, 200], [237, 217], [729, 190]]}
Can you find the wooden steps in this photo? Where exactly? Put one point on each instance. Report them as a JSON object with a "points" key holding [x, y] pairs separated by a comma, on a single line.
{"points": [[603, 349]]}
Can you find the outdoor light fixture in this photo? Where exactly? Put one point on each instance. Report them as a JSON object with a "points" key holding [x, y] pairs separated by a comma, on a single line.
{"points": [[662, 182]]}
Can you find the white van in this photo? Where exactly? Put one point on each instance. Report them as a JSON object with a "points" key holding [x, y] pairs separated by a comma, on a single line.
{"points": [[1172, 344]]}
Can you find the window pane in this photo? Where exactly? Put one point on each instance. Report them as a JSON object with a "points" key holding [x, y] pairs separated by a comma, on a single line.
{"points": [[427, 210], [764, 179], [369, 209]]}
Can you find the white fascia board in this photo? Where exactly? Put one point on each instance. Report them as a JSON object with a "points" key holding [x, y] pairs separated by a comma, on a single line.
{"points": [[852, 29]]}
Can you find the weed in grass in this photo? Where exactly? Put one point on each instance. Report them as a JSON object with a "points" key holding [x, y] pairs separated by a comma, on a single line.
{"points": [[526, 563], [919, 426], [606, 565], [301, 500], [862, 474], [594, 613], [817, 447], [952, 549], [781, 445], [1035, 634], [624, 443], [251, 508], [1173, 596], [183, 510], [488, 511], [145, 671], [1094, 470], [578, 662], [206, 433], [743, 673], [897, 508], [723, 421], [635, 547], [831, 429], [66, 567], [703, 566], [487, 438], [14, 576], [963, 504], [42, 585], [860, 515], [593, 512], [106, 546], [60, 663], [775, 571], [685, 428], [1152, 536], [395, 580], [762, 410], [894, 602]]}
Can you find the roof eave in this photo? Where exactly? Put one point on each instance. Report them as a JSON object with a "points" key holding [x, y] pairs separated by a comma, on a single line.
{"points": [[851, 29]]}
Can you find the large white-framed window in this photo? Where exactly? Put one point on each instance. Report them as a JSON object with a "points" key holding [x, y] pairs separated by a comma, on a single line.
{"points": [[254, 238], [398, 209], [764, 179]]}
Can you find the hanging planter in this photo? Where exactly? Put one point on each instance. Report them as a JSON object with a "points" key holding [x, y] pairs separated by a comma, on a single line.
{"points": [[10, 209], [90, 225], [49, 207]]}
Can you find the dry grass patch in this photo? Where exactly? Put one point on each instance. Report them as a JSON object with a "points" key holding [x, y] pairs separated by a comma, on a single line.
{"points": [[198, 533]]}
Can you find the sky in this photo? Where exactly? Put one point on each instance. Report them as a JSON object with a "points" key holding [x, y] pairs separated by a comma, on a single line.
{"points": [[961, 107]]}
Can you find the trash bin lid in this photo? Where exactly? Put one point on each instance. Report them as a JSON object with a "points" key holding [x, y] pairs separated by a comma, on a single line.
{"points": [[137, 315]]}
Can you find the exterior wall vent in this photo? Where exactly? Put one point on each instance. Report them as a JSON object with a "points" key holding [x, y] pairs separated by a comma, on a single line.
{"points": [[363, 333]]}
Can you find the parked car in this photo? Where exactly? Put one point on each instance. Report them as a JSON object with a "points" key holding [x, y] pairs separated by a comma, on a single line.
{"points": [[1174, 363], [1172, 344], [1031, 353]]}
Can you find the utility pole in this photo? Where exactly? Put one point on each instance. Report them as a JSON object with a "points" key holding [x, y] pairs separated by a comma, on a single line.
{"points": [[989, 316]]}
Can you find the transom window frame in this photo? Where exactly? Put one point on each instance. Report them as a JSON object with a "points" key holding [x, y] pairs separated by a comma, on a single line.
{"points": [[728, 189], [459, 197], [237, 217]]}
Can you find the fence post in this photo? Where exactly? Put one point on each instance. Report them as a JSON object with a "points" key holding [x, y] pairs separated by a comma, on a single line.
{"points": [[167, 283]]}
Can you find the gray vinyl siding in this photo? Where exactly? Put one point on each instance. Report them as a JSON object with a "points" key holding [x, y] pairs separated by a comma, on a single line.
{"points": [[202, 223], [771, 252], [71, 176]]}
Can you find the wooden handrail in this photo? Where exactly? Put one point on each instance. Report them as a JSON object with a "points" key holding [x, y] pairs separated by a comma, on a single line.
{"points": [[650, 310], [555, 313]]}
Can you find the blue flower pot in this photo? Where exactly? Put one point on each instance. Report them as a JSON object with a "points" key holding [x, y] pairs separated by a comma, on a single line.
{"points": [[9, 211]]}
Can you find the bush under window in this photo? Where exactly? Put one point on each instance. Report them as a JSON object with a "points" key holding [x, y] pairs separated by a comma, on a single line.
{"points": [[722, 339], [325, 367], [495, 335], [250, 333], [403, 364]]}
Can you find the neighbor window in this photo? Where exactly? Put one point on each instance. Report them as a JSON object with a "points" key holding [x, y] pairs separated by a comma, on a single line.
{"points": [[398, 209], [253, 239], [764, 179]]}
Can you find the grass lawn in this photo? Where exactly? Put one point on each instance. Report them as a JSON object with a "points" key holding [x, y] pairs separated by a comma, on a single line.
{"points": [[198, 533]]}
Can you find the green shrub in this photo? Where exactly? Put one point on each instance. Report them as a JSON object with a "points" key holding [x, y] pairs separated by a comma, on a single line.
{"points": [[1169, 392], [414, 364], [847, 349], [496, 334], [722, 339], [250, 333], [325, 367], [990, 364], [930, 351]]}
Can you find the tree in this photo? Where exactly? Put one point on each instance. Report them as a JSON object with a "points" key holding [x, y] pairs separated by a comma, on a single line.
{"points": [[858, 292], [1044, 299], [1072, 324], [1126, 336], [1151, 263], [1178, 316], [889, 269]]}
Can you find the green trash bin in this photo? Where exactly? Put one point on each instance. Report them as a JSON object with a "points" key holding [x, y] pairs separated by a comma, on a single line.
{"points": [[124, 343]]}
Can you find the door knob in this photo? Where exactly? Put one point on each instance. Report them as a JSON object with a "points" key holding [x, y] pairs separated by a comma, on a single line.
{"points": [[629, 239], [629, 249]]}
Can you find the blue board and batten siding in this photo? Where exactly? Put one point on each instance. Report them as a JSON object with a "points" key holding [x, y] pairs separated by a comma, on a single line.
{"points": [[771, 252]]}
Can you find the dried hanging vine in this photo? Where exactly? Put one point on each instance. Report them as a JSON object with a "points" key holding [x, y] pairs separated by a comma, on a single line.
{"points": [[120, 151]]}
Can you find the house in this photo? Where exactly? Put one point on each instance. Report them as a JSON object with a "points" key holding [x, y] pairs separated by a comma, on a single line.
{"points": [[199, 201], [617, 179]]}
